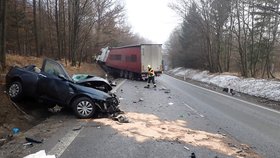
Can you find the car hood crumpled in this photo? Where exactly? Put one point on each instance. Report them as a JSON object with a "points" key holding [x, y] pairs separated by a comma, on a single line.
{"points": [[84, 78], [93, 93]]}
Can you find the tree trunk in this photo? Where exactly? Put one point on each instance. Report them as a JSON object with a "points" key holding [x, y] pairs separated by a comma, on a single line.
{"points": [[57, 24], [3, 7], [35, 29], [40, 31]]}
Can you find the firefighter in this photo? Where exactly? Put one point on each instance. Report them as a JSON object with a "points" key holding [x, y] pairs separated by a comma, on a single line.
{"points": [[151, 77]]}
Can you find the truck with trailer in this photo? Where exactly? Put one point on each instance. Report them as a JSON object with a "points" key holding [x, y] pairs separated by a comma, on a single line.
{"points": [[132, 61]]}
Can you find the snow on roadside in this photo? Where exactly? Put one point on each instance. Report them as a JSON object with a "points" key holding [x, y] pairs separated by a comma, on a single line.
{"points": [[264, 88]]}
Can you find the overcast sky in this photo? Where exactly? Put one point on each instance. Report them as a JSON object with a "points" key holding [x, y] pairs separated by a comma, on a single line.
{"points": [[151, 19]]}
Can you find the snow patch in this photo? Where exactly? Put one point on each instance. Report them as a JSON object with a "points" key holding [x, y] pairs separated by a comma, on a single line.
{"points": [[264, 88]]}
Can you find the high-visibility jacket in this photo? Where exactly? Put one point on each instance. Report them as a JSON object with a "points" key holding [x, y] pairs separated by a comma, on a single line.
{"points": [[151, 72]]}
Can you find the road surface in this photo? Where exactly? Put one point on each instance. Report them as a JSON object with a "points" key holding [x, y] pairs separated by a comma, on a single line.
{"points": [[250, 123], [175, 119]]}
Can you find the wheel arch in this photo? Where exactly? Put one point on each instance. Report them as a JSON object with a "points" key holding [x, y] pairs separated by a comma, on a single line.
{"points": [[14, 79]]}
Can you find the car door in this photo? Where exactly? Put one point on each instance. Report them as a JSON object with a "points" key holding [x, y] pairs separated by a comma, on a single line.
{"points": [[53, 82]]}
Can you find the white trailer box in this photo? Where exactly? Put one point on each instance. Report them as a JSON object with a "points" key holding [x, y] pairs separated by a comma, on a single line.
{"points": [[151, 55]]}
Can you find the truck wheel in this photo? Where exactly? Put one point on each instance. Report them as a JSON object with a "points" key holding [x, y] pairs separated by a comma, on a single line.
{"points": [[15, 91], [126, 74], [121, 74], [84, 107], [131, 76]]}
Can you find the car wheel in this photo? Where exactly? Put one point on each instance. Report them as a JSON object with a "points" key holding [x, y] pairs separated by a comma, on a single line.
{"points": [[15, 90], [84, 107]]}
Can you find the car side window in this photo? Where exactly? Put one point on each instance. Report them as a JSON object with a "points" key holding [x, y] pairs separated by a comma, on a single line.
{"points": [[53, 69]]}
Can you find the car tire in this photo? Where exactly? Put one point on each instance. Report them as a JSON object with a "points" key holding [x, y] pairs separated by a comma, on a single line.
{"points": [[84, 107], [15, 91]]}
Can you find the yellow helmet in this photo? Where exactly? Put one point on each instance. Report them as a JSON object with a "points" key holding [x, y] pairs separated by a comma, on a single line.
{"points": [[149, 66]]}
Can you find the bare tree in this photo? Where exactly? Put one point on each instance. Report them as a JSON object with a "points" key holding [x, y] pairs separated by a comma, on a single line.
{"points": [[35, 28], [3, 6], [73, 29]]}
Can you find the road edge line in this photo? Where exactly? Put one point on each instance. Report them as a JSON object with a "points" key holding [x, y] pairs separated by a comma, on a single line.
{"points": [[63, 143], [253, 104], [118, 86], [195, 111]]}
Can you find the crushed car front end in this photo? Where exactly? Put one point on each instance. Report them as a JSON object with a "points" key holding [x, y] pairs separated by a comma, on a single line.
{"points": [[104, 102], [109, 105]]}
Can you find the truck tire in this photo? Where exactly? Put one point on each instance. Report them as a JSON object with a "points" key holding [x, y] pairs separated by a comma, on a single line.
{"points": [[131, 76], [126, 74], [84, 107], [15, 91], [121, 74]]}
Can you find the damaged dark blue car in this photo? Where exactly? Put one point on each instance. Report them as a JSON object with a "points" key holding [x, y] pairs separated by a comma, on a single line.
{"points": [[52, 85]]}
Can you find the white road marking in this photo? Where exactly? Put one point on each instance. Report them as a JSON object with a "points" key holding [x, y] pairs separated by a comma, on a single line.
{"points": [[256, 105], [63, 144], [118, 86], [194, 110]]}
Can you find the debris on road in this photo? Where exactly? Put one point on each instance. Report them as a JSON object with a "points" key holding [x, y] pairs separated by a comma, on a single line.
{"points": [[167, 91], [2, 141], [77, 128], [140, 99], [28, 144], [113, 83], [239, 151], [33, 140], [186, 148], [170, 103], [55, 109], [193, 155], [232, 145], [152, 127], [15, 131], [121, 119], [40, 154]]}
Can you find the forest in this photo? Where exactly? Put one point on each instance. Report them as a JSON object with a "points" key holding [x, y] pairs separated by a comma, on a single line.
{"points": [[217, 35], [75, 30], [227, 36]]}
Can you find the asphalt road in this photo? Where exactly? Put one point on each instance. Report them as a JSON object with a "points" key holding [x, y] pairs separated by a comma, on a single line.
{"points": [[173, 120], [247, 122], [159, 121]]}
